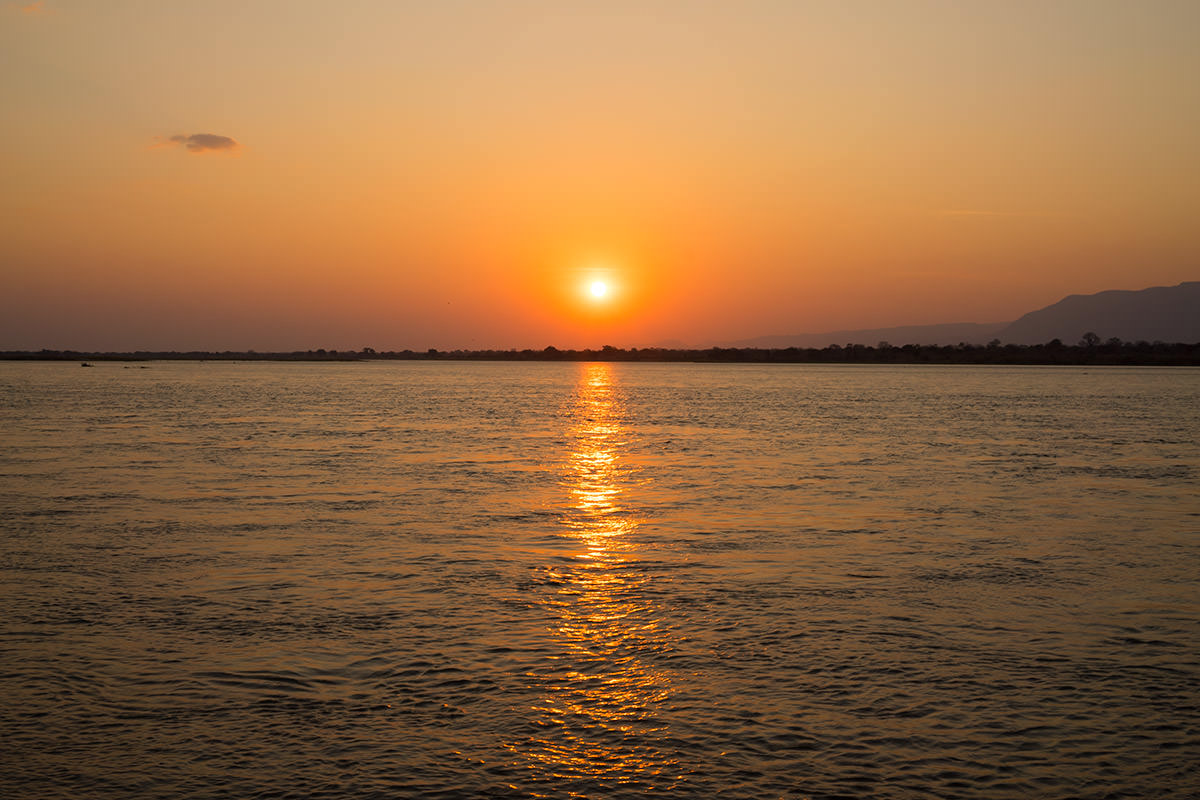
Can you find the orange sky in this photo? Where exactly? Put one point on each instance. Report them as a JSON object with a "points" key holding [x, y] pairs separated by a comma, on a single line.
{"points": [[453, 174]]}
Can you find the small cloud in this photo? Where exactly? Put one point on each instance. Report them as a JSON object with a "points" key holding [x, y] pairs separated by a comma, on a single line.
{"points": [[203, 142]]}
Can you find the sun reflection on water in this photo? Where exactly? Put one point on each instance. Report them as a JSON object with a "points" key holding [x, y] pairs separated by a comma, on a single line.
{"points": [[598, 717]]}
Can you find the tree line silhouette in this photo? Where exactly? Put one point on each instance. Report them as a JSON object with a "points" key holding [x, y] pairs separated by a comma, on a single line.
{"points": [[1089, 350]]}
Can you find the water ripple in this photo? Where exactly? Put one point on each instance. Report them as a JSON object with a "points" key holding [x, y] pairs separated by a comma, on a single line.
{"points": [[608, 581]]}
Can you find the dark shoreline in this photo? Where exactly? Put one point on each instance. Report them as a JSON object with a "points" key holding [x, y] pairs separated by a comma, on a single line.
{"points": [[1110, 353]]}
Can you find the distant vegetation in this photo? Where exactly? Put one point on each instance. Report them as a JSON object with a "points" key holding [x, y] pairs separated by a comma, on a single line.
{"points": [[1089, 350]]}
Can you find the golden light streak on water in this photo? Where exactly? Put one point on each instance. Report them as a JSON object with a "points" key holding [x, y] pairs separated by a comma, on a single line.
{"points": [[598, 713]]}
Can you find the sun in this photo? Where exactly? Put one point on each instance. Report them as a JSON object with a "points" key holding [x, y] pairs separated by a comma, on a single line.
{"points": [[598, 289]]}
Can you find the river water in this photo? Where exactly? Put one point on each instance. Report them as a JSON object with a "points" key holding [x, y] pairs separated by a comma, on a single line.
{"points": [[393, 580]]}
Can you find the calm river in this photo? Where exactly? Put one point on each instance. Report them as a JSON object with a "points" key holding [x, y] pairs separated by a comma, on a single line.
{"points": [[402, 580]]}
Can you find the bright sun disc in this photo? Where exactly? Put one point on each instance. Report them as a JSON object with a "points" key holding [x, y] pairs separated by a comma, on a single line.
{"points": [[598, 289]]}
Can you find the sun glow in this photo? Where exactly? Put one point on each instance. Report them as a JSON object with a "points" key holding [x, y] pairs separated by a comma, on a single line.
{"points": [[598, 289]]}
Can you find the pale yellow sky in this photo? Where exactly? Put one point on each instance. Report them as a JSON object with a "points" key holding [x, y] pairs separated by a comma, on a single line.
{"points": [[453, 174]]}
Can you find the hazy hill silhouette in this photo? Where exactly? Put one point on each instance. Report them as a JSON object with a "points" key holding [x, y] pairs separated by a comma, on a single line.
{"points": [[1158, 314], [1161, 313]]}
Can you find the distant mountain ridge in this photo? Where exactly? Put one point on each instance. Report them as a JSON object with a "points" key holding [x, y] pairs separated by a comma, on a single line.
{"points": [[1160, 313], [1157, 314]]}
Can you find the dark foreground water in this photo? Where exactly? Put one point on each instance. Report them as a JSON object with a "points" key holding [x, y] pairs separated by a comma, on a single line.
{"points": [[557, 580]]}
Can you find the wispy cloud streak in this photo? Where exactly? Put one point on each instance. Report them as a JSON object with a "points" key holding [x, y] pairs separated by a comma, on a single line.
{"points": [[975, 212], [34, 9]]}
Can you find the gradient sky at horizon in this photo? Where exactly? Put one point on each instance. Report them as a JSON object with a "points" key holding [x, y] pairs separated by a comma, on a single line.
{"points": [[292, 175]]}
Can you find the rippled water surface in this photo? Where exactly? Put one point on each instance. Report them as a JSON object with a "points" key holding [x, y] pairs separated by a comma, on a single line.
{"points": [[396, 580]]}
